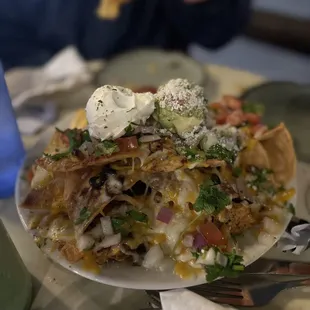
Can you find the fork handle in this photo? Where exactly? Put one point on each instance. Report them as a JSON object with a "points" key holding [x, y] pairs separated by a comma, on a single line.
{"points": [[287, 268]]}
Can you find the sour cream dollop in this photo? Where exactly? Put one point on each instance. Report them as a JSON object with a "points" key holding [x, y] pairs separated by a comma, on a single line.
{"points": [[111, 109]]}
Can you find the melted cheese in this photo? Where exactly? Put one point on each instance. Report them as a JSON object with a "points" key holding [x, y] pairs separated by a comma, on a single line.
{"points": [[185, 271], [89, 262]]}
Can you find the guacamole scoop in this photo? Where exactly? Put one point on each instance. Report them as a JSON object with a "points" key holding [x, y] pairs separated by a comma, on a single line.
{"points": [[180, 106]]}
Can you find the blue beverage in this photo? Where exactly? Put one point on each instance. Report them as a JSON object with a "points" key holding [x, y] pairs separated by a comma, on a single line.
{"points": [[11, 147]]}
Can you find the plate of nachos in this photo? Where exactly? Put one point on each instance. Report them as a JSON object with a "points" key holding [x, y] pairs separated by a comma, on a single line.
{"points": [[159, 191]]}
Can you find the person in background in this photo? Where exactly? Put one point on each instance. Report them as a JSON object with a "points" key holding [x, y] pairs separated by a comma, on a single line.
{"points": [[32, 31]]}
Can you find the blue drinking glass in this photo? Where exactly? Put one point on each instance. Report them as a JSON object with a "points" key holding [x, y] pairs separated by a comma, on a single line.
{"points": [[12, 150]]}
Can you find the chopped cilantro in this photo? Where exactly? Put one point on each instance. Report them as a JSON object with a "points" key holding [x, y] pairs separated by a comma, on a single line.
{"points": [[232, 269], [261, 177], [83, 216], [281, 188], [129, 130], [195, 255], [138, 216], [106, 147], [217, 151], [85, 136], [119, 225], [56, 157], [211, 199], [236, 172], [291, 208], [256, 108], [193, 154], [75, 141]]}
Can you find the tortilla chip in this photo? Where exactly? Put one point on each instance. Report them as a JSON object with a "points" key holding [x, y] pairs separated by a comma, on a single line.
{"points": [[280, 150], [255, 156], [72, 163], [59, 143], [271, 133], [46, 198], [85, 203]]}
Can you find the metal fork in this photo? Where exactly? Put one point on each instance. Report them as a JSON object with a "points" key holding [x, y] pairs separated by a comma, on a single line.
{"points": [[248, 291]]}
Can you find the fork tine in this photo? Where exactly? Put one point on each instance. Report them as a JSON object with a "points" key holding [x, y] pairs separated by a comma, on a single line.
{"points": [[232, 301], [223, 288], [219, 293]]}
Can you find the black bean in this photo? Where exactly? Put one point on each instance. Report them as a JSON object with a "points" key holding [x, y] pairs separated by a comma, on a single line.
{"points": [[141, 249], [215, 179], [96, 182]]}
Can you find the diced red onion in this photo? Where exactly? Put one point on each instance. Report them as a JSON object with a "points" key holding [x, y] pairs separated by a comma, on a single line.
{"points": [[108, 241], [165, 215], [106, 226], [199, 241], [188, 240], [149, 138]]}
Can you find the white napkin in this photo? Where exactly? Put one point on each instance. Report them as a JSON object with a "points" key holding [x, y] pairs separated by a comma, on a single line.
{"points": [[183, 299], [297, 240], [65, 72]]}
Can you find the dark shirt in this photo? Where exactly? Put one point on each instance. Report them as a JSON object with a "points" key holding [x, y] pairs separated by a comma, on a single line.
{"points": [[32, 31]]}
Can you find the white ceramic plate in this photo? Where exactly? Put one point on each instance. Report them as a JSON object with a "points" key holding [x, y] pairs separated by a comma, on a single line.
{"points": [[122, 274], [148, 67]]}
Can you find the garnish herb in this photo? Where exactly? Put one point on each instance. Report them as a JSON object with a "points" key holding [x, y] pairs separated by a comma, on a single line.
{"points": [[256, 108], [236, 172], [261, 176], [75, 141], [138, 216], [85, 136], [195, 255], [193, 154], [129, 130], [83, 216], [232, 269], [106, 147], [119, 225], [211, 199], [291, 208], [217, 151]]}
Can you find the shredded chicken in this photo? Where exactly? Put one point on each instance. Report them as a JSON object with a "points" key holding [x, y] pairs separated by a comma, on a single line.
{"points": [[237, 219], [71, 252]]}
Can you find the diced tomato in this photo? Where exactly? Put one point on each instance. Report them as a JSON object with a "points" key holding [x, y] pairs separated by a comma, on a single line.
{"points": [[127, 144], [252, 118], [221, 118], [216, 106], [145, 89], [212, 234], [258, 130], [232, 102], [29, 175], [235, 118]]}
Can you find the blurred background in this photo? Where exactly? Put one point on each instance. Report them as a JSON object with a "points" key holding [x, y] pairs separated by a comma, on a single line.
{"points": [[56, 53], [275, 44]]}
